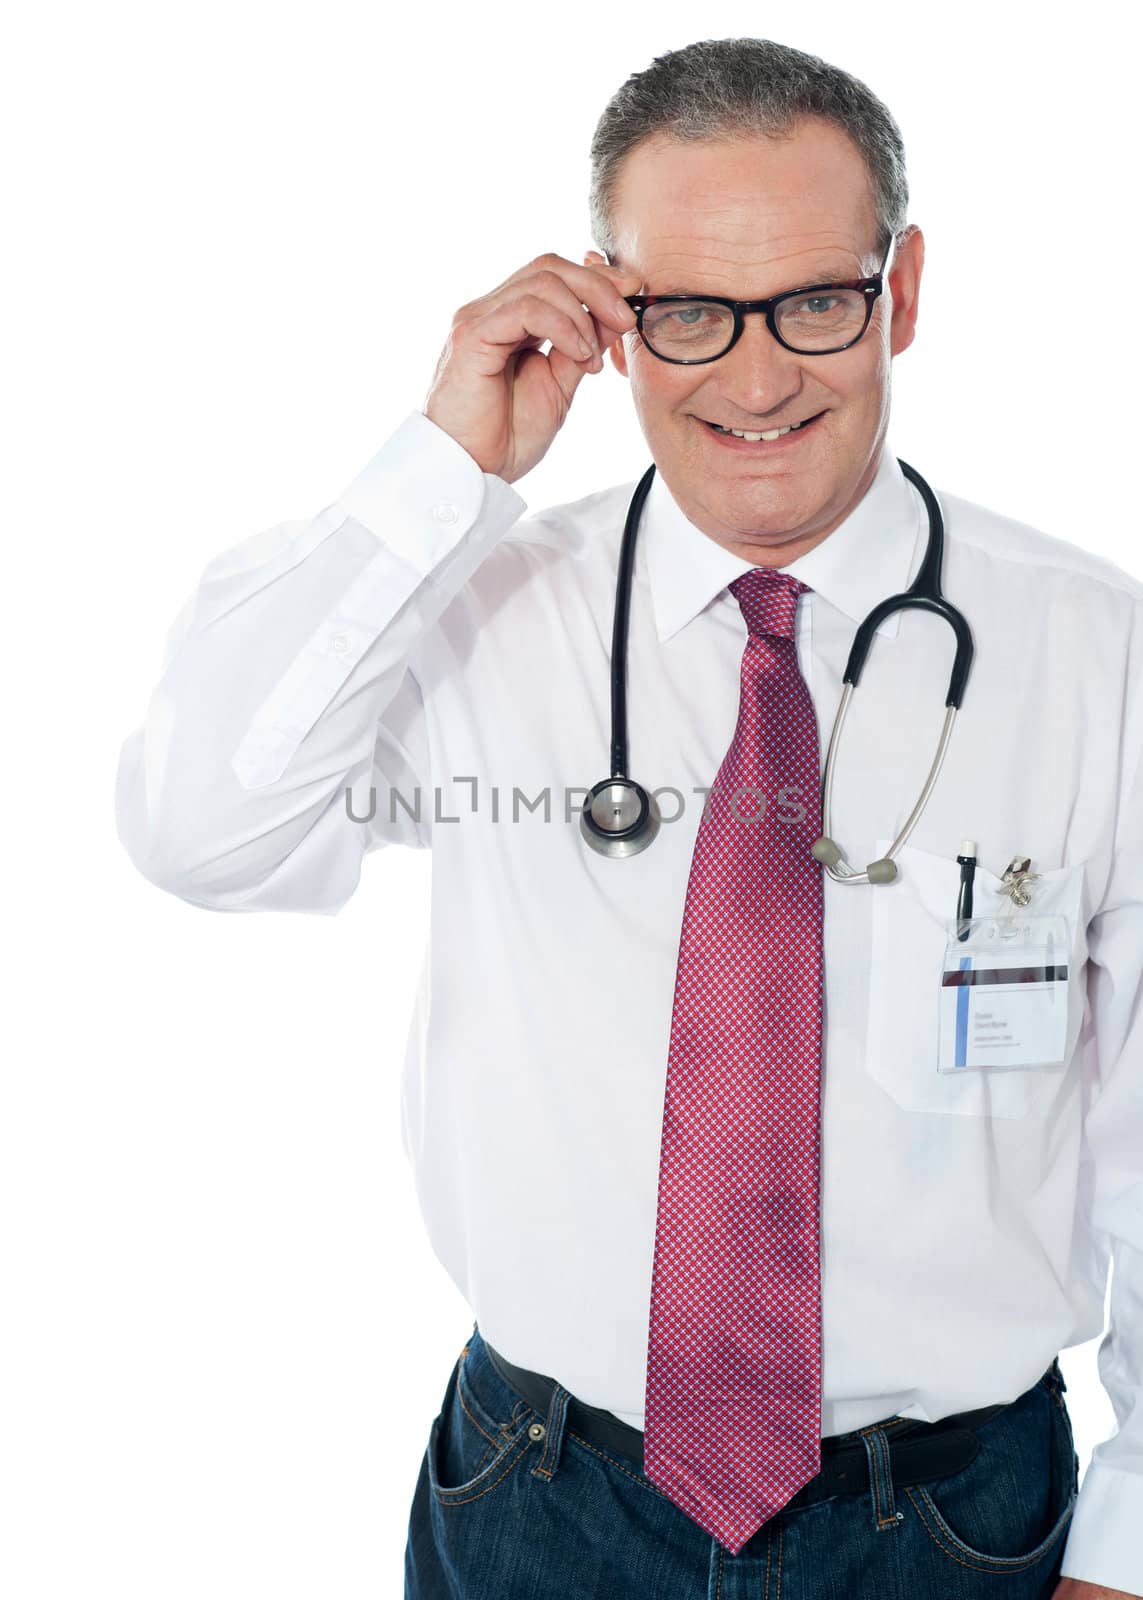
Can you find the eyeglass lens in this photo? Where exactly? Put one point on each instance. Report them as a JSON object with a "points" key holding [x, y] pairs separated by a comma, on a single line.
{"points": [[694, 330]]}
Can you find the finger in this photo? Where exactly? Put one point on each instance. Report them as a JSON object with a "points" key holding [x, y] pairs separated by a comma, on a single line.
{"points": [[527, 317], [625, 280], [594, 287], [569, 374], [553, 286], [607, 335], [627, 283]]}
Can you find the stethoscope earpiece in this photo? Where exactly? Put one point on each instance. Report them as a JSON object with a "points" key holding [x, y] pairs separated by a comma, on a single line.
{"points": [[830, 853]]}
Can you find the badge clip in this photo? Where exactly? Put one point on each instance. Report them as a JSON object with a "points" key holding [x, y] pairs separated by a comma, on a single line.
{"points": [[1017, 880]]}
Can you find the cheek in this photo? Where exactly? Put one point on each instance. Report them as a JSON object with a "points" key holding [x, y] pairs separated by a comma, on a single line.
{"points": [[657, 386], [858, 383]]}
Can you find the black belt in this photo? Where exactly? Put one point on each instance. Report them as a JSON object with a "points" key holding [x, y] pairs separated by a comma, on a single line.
{"points": [[918, 1451]]}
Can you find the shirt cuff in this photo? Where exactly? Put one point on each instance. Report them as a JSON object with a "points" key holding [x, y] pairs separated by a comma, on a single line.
{"points": [[1103, 1540], [422, 491]]}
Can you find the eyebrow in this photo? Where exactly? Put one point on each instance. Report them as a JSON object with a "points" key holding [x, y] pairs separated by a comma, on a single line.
{"points": [[833, 274]]}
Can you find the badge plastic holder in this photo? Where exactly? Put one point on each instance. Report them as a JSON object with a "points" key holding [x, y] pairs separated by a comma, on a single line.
{"points": [[1004, 994]]}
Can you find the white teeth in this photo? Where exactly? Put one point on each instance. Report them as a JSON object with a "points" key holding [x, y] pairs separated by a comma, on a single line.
{"points": [[774, 433]]}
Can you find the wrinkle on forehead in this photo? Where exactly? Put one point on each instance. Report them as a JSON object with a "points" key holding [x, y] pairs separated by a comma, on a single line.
{"points": [[745, 214], [707, 264]]}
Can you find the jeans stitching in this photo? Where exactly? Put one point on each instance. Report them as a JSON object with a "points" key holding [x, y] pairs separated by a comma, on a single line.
{"points": [[497, 1447], [469, 1415], [506, 1429], [875, 1460], [890, 1519], [450, 1497], [556, 1415], [643, 1482], [997, 1564]]}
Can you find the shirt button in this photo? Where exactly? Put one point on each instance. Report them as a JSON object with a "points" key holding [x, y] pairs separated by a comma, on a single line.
{"points": [[445, 511], [339, 644]]}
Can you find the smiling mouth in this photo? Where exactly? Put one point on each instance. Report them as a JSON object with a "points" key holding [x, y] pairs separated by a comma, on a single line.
{"points": [[769, 434]]}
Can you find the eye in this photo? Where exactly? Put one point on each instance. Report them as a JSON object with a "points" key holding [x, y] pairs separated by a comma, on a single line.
{"points": [[822, 313], [816, 304]]}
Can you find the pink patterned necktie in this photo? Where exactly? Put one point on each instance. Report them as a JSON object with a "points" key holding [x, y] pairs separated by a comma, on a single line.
{"points": [[732, 1427]]}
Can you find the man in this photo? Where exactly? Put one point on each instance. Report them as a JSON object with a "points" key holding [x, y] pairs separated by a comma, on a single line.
{"points": [[759, 1301]]}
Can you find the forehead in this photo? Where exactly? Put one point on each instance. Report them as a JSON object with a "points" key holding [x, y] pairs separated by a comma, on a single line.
{"points": [[734, 208]]}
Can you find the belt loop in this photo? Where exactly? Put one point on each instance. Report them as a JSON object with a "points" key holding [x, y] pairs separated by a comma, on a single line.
{"points": [[551, 1431], [885, 1514]]}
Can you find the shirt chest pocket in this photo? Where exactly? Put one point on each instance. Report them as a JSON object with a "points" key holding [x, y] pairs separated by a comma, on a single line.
{"points": [[909, 934]]}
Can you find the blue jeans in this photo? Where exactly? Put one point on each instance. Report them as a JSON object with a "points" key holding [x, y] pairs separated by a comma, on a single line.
{"points": [[512, 1505]]}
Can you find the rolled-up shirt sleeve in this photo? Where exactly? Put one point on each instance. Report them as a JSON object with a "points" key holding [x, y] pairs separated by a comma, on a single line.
{"points": [[288, 699], [1105, 1539]]}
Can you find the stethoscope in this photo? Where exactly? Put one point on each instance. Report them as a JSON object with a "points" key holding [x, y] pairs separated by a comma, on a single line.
{"points": [[619, 817]]}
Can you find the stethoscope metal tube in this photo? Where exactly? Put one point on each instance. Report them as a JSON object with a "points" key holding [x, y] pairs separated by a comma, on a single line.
{"points": [[619, 817], [884, 870], [924, 593]]}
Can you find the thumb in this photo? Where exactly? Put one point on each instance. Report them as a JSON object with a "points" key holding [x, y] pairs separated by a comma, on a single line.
{"points": [[623, 281], [568, 374]]}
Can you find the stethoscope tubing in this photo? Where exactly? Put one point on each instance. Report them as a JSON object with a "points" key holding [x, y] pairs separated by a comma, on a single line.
{"points": [[619, 626], [924, 593]]}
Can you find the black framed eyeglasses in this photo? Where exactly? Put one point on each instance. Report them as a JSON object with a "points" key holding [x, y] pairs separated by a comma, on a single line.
{"points": [[817, 320]]}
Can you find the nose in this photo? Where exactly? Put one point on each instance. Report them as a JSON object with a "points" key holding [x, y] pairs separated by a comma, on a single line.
{"points": [[757, 374]]}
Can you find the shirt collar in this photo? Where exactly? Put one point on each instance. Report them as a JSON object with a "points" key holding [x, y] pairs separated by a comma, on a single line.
{"points": [[867, 556]]}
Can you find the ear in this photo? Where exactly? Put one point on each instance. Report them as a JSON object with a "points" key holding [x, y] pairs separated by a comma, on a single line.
{"points": [[905, 283]]}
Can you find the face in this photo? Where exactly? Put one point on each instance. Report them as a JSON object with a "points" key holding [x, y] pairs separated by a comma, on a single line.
{"points": [[745, 218]]}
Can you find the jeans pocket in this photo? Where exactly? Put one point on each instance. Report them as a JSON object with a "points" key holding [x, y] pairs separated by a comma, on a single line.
{"points": [[480, 1434], [1008, 1510]]}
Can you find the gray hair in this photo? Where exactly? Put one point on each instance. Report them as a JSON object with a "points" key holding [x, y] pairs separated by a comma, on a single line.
{"points": [[720, 87]]}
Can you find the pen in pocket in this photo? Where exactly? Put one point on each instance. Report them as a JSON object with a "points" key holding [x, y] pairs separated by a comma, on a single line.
{"points": [[967, 860]]}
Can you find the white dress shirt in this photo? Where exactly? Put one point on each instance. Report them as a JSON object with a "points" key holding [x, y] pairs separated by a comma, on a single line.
{"points": [[422, 634]]}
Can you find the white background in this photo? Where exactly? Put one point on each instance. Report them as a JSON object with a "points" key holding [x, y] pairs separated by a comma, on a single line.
{"points": [[235, 235]]}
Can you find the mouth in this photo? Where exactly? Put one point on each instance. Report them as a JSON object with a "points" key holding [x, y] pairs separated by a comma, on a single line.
{"points": [[758, 441]]}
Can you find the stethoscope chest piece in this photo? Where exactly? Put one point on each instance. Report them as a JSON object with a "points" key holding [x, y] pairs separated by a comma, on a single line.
{"points": [[619, 817]]}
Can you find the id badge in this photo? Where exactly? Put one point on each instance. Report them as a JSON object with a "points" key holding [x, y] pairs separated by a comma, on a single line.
{"points": [[1004, 994]]}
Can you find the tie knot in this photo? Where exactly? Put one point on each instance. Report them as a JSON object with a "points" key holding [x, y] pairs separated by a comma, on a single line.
{"points": [[769, 599]]}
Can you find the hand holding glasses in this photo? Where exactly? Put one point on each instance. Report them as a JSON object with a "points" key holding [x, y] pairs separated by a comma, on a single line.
{"points": [[500, 396], [813, 321]]}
